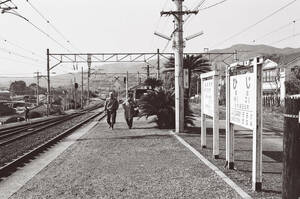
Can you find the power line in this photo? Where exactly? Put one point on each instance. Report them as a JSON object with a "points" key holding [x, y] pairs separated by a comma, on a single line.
{"points": [[19, 55], [286, 38], [213, 5], [196, 8], [14, 12], [258, 22], [20, 47], [276, 30], [51, 24]]}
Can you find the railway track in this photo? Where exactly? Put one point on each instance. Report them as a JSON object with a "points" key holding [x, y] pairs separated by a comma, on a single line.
{"points": [[8, 168], [11, 134]]}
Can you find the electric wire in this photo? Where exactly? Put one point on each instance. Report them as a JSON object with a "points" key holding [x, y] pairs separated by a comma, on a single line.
{"points": [[51, 24], [286, 38], [276, 30], [213, 5], [20, 47], [256, 23], [17, 54]]}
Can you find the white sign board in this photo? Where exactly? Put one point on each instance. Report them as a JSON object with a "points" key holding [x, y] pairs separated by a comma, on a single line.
{"points": [[117, 85], [242, 100], [186, 78], [208, 97]]}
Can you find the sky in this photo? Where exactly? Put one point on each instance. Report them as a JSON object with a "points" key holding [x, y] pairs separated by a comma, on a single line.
{"points": [[127, 26]]}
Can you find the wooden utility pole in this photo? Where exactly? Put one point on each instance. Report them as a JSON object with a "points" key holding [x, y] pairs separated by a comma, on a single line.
{"points": [[291, 148], [148, 71], [178, 47], [158, 65], [37, 87], [89, 60], [81, 97], [48, 85]]}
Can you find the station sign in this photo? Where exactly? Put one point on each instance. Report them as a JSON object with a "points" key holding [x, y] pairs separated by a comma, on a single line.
{"points": [[208, 97], [186, 78], [242, 100]]}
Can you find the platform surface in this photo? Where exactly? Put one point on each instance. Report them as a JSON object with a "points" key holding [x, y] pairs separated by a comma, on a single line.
{"points": [[143, 162]]}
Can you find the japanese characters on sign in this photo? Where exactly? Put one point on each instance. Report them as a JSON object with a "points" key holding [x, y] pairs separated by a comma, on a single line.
{"points": [[242, 100], [208, 94], [186, 78]]}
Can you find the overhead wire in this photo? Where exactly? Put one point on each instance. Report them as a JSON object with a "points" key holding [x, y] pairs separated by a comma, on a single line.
{"points": [[276, 30], [256, 23], [213, 5], [20, 47], [50, 23], [286, 38]]}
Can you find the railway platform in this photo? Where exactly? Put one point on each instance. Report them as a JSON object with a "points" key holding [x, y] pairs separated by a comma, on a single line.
{"points": [[98, 162], [144, 162]]}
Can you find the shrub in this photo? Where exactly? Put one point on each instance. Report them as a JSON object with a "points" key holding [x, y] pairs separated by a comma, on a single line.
{"points": [[34, 114], [14, 119], [5, 110], [162, 105]]}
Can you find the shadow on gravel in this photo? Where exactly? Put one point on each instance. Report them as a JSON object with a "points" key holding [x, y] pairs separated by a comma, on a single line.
{"points": [[197, 130], [264, 172], [142, 137], [275, 155], [271, 191]]}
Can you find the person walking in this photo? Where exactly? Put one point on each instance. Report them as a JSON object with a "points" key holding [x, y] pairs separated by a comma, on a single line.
{"points": [[129, 110], [27, 113], [111, 107]]}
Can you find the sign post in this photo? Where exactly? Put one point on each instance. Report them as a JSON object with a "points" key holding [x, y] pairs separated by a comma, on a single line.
{"points": [[244, 108], [210, 107]]}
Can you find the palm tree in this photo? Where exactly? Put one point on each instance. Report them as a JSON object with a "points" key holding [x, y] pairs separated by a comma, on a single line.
{"points": [[194, 63], [162, 105], [153, 82]]}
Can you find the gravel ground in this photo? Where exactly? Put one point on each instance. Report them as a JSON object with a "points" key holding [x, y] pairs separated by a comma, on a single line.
{"points": [[18, 148], [143, 162], [272, 159]]}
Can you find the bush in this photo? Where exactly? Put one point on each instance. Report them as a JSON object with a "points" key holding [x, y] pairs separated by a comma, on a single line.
{"points": [[162, 105], [14, 119], [34, 114], [5, 110]]}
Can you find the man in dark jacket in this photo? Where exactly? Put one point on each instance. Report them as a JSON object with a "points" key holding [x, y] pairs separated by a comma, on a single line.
{"points": [[111, 107]]}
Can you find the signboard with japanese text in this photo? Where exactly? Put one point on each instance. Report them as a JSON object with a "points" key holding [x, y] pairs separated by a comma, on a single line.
{"points": [[208, 97], [186, 78], [242, 100]]}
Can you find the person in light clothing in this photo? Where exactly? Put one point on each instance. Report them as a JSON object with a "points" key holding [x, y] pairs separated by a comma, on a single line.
{"points": [[130, 110]]}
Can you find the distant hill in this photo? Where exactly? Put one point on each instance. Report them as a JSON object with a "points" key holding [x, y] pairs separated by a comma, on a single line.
{"points": [[244, 52]]}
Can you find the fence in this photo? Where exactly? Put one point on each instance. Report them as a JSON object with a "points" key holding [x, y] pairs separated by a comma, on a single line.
{"points": [[271, 100]]}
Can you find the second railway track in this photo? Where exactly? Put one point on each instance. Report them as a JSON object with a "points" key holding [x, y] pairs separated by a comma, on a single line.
{"points": [[13, 153]]}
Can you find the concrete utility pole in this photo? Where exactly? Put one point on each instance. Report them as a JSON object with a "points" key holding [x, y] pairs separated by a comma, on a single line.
{"points": [[178, 47], [48, 86]]}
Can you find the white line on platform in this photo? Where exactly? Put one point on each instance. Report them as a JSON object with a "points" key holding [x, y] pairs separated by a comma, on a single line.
{"points": [[241, 192], [13, 183]]}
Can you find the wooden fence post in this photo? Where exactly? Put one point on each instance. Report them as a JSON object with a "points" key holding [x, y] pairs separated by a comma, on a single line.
{"points": [[291, 149]]}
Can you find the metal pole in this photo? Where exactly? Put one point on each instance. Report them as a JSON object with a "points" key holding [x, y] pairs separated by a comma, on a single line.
{"points": [[81, 97], [158, 65], [179, 91], [48, 86], [75, 93]]}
